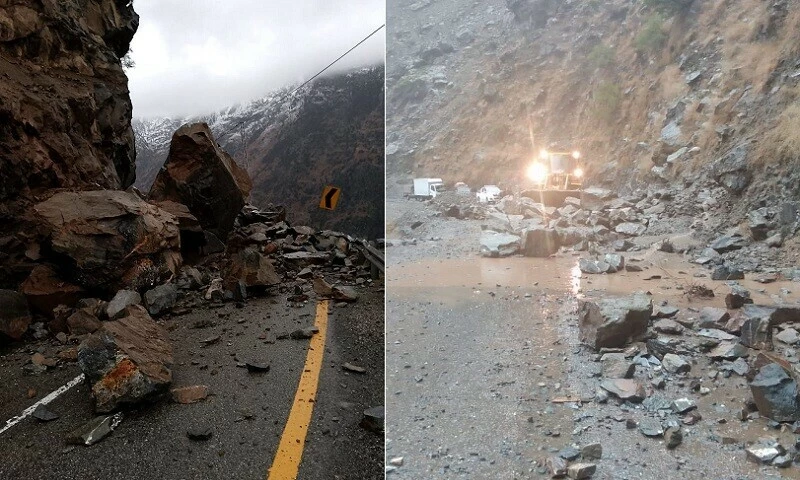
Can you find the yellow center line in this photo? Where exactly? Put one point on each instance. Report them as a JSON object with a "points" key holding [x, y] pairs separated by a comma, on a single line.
{"points": [[290, 451]]}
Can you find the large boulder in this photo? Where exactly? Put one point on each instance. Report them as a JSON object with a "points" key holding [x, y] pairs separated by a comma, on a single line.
{"points": [[498, 244], [540, 242], [202, 176], [252, 268], [127, 361], [775, 394], [14, 315], [613, 322], [111, 239]]}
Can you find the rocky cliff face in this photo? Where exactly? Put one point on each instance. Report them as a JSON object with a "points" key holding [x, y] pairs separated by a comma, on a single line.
{"points": [[65, 111], [329, 133], [64, 105]]}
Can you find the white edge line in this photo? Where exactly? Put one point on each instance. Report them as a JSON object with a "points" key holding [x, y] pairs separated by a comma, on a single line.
{"points": [[49, 398]]}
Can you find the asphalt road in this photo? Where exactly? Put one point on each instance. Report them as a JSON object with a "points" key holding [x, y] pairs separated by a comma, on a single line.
{"points": [[245, 411]]}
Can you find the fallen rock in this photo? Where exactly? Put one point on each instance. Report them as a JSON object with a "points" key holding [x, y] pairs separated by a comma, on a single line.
{"points": [[593, 451], [683, 405], [756, 331], [764, 451], [45, 290], [14, 315], [127, 361], [613, 322], [630, 229], [496, 244], [775, 394], [650, 427], [668, 327], [673, 437], [111, 239], [615, 365], [43, 414], [675, 364], [251, 267], [614, 261], [82, 322], [200, 175], [581, 471], [373, 419], [161, 299], [556, 466], [724, 272], [624, 389], [711, 317], [540, 242], [200, 433], [788, 336], [728, 351], [95, 430], [189, 394], [122, 300], [737, 297], [728, 243]]}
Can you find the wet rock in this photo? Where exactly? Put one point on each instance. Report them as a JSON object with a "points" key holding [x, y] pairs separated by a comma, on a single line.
{"points": [[667, 326], [728, 244], [764, 451], [615, 262], [161, 299], [630, 229], [711, 317], [45, 290], [540, 242], [593, 451], [496, 244], [724, 272], [95, 430], [82, 322], [673, 437], [756, 331], [581, 470], [122, 300], [737, 297], [591, 267], [111, 239], [775, 394], [788, 336], [251, 267], [127, 361], [613, 322], [199, 432], [373, 419], [189, 394], [651, 427], [43, 414], [675, 364], [624, 389], [683, 405], [14, 315], [556, 466], [728, 351], [200, 175], [615, 365]]}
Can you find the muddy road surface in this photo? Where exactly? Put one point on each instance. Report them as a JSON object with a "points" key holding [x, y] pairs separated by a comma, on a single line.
{"points": [[246, 412], [487, 377]]}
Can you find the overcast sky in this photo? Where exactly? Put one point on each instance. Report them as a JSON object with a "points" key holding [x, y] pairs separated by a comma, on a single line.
{"points": [[199, 56]]}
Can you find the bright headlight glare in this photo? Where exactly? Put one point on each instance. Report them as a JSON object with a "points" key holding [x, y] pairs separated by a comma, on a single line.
{"points": [[576, 154], [537, 172], [578, 172], [543, 154]]}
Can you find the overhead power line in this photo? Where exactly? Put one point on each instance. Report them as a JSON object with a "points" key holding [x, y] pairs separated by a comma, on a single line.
{"points": [[231, 129]]}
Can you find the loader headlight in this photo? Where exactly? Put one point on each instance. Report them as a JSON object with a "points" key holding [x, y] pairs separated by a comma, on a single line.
{"points": [[578, 172], [576, 154], [544, 154], [537, 172]]}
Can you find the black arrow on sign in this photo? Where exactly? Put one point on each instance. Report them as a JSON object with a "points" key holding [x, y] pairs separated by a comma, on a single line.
{"points": [[329, 197]]}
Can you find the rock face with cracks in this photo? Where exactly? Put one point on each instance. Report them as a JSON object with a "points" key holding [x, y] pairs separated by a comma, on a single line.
{"points": [[111, 239], [775, 394], [200, 175], [127, 360], [613, 322]]}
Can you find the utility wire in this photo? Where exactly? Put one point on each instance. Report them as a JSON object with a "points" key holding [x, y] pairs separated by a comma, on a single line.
{"points": [[231, 129]]}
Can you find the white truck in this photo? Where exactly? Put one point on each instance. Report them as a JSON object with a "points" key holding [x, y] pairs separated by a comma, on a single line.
{"points": [[427, 188], [488, 193]]}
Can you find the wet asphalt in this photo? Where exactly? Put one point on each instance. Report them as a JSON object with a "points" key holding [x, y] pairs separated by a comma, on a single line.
{"points": [[246, 412]]}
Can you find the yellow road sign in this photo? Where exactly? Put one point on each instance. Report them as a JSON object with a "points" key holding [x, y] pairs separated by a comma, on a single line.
{"points": [[330, 196]]}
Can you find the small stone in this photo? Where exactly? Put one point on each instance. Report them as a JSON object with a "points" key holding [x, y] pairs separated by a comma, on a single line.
{"points": [[651, 427], [304, 333], [691, 418], [615, 365], [569, 453], [630, 424], [373, 419], [396, 462], [189, 394], [683, 405], [625, 389], [354, 368], [557, 466], [580, 471], [43, 414], [199, 433], [257, 367], [593, 451], [95, 430], [675, 364], [668, 327], [674, 437]]}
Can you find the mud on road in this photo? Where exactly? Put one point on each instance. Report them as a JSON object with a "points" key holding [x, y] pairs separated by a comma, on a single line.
{"points": [[478, 349]]}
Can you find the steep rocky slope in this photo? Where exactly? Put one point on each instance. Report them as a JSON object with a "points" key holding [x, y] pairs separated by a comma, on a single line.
{"points": [[328, 133], [65, 112], [701, 98]]}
